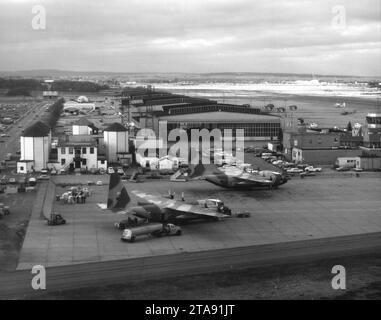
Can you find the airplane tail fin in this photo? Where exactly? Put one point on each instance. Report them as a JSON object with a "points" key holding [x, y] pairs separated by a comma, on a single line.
{"points": [[118, 197], [199, 170]]}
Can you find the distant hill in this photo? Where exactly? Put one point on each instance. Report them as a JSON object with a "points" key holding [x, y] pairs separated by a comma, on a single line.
{"points": [[158, 77]]}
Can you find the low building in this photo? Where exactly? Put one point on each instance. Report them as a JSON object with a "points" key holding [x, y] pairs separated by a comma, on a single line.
{"points": [[25, 166], [346, 161], [316, 140], [50, 94], [322, 156], [77, 155], [168, 163], [84, 127], [368, 163], [351, 141], [79, 152], [102, 163]]}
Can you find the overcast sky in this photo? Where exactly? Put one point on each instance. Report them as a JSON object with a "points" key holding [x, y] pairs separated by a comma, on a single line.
{"points": [[297, 36]]}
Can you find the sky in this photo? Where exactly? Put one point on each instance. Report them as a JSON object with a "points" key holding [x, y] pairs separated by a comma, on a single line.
{"points": [[341, 37]]}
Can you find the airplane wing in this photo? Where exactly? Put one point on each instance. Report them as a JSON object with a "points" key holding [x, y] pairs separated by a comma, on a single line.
{"points": [[179, 206], [255, 180]]}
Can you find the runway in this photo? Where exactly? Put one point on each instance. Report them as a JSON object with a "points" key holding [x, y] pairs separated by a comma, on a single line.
{"points": [[18, 284]]}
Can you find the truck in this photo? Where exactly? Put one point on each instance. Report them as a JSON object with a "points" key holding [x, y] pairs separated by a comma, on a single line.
{"points": [[154, 229], [55, 220], [215, 204], [4, 210]]}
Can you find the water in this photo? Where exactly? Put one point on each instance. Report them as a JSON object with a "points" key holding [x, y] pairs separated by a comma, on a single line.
{"points": [[315, 98]]}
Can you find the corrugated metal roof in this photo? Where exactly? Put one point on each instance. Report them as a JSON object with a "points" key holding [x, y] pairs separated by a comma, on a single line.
{"points": [[221, 117]]}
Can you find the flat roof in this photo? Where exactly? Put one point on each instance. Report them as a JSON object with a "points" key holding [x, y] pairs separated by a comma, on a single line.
{"points": [[221, 117], [76, 144]]}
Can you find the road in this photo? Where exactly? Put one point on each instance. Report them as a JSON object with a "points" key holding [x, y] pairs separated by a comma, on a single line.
{"points": [[12, 143], [17, 284]]}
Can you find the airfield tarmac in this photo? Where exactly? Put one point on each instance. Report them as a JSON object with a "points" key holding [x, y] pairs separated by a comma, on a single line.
{"points": [[303, 209]]}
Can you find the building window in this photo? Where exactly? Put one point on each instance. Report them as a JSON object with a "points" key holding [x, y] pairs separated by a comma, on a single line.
{"points": [[84, 150], [91, 150], [63, 150], [84, 162], [71, 150], [21, 168], [63, 161], [102, 162]]}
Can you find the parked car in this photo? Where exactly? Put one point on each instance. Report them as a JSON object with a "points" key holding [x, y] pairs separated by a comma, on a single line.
{"points": [[343, 168], [44, 171], [32, 181], [110, 170], [12, 180], [120, 171], [312, 169], [294, 170], [43, 177], [307, 174], [278, 162]]}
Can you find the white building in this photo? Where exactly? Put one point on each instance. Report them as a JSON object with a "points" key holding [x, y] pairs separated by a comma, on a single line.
{"points": [[84, 127], [34, 148], [168, 163], [346, 161], [116, 142], [78, 155]]}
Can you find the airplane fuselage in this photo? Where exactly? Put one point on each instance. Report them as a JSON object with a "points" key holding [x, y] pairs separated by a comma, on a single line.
{"points": [[244, 182]]}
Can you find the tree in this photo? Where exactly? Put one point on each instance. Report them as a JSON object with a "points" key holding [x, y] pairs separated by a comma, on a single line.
{"points": [[349, 127]]}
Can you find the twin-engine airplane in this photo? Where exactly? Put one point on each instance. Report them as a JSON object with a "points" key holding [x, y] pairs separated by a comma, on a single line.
{"points": [[157, 208]]}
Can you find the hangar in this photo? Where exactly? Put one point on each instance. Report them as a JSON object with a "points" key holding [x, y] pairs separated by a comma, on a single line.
{"points": [[259, 128]]}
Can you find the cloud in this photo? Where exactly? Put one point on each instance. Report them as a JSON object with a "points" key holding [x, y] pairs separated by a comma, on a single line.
{"points": [[193, 36]]}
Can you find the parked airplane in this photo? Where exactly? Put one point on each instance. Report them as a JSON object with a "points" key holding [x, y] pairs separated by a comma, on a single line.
{"points": [[157, 208], [234, 177]]}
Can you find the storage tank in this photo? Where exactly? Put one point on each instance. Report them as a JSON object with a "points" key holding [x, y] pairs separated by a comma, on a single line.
{"points": [[116, 141], [35, 145]]}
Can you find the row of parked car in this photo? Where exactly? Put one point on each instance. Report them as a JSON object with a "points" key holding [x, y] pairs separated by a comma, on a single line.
{"points": [[289, 167], [30, 182]]}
